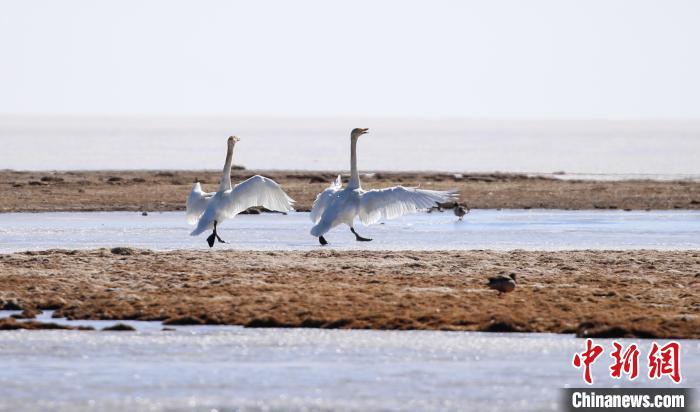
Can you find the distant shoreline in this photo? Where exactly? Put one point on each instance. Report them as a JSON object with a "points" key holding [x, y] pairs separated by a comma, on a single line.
{"points": [[591, 177], [166, 190]]}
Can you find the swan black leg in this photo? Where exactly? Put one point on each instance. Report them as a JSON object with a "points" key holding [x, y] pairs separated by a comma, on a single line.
{"points": [[214, 236], [358, 237], [322, 240], [217, 235]]}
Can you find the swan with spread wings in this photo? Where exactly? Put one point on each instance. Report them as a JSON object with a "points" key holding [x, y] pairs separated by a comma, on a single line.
{"points": [[337, 205], [206, 210]]}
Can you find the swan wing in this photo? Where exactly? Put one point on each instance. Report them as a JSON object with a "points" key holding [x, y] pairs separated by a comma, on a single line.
{"points": [[398, 201], [197, 202], [324, 199], [256, 191]]}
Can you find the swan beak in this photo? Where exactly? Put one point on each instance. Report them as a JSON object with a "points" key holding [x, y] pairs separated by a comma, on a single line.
{"points": [[365, 131]]}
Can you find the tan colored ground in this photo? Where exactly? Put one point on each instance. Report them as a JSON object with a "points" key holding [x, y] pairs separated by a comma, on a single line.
{"points": [[167, 190], [636, 293]]}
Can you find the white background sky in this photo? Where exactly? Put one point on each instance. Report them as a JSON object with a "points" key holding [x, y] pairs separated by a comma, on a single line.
{"points": [[491, 58]]}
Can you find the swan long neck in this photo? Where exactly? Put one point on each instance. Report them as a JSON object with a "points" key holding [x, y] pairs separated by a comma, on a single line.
{"points": [[354, 173], [226, 176]]}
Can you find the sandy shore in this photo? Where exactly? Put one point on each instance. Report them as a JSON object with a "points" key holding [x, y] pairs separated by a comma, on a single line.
{"points": [[599, 293], [167, 190]]}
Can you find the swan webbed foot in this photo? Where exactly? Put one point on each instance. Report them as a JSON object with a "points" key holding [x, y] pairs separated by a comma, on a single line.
{"points": [[218, 238], [358, 237], [322, 240], [210, 240]]}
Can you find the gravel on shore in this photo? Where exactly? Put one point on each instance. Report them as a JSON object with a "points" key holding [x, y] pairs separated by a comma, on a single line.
{"points": [[642, 293]]}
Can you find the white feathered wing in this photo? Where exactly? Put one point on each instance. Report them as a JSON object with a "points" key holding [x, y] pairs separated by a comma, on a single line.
{"points": [[197, 202], [398, 201], [324, 199], [256, 191]]}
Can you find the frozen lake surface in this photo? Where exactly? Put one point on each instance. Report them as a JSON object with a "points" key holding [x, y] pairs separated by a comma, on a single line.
{"points": [[202, 368], [481, 229], [583, 149]]}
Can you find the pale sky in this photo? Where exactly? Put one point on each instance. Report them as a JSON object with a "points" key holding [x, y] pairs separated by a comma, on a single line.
{"points": [[515, 59]]}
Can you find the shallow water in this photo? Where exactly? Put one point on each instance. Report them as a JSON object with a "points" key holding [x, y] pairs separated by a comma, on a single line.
{"points": [[481, 229], [201, 368], [584, 149]]}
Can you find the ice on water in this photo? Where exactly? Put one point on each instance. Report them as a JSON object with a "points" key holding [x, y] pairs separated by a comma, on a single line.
{"points": [[481, 229], [234, 368]]}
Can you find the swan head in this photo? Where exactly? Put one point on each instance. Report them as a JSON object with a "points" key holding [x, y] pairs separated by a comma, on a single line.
{"points": [[357, 132], [233, 140]]}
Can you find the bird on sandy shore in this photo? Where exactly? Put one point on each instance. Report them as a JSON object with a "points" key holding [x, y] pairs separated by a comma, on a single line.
{"points": [[460, 210], [503, 284], [337, 205], [208, 209]]}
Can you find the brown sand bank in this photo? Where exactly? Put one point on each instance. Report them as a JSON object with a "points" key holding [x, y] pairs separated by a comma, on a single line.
{"points": [[167, 190], [598, 293]]}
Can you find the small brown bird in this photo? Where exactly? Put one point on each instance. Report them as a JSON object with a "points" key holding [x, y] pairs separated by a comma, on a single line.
{"points": [[503, 284], [460, 210]]}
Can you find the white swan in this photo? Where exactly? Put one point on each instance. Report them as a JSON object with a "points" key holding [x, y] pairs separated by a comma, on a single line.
{"points": [[336, 205], [206, 210]]}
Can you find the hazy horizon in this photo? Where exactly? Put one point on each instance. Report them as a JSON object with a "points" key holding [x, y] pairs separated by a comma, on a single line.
{"points": [[596, 87], [114, 142]]}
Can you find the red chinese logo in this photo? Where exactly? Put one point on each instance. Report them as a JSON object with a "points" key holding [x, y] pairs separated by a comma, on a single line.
{"points": [[665, 361], [587, 358], [627, 361]]}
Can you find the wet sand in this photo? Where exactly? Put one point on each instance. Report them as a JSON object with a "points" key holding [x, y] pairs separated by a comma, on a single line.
{"points": [[639, 293], [167, 190]]}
